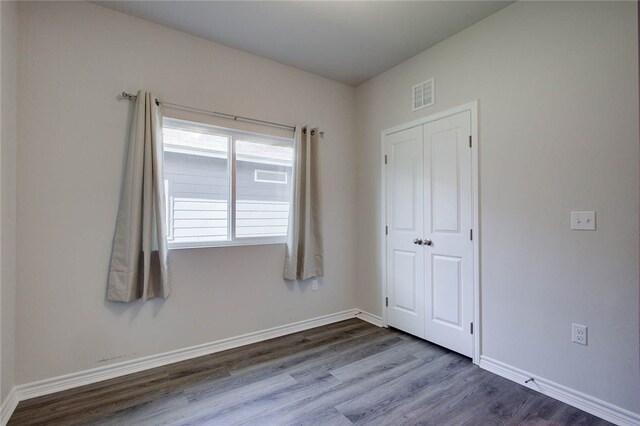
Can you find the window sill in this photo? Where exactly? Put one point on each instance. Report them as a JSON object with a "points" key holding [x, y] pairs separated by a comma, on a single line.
{"points": [[208, 244]]}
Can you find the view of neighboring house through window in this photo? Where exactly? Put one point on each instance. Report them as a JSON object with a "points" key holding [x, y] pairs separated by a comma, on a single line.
{"points": [[225, 186]]}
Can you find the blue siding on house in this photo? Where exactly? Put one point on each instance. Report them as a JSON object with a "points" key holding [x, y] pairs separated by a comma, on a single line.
{"points": [[198, 188], [195, 176]]}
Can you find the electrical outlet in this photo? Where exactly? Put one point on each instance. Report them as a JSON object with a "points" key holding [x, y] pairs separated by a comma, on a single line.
{"points": [[583, 221], [314, 285], [579, 334]]}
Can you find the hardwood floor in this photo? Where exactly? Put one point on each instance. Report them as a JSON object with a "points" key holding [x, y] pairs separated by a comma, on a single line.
{"points": [[349, 372]]}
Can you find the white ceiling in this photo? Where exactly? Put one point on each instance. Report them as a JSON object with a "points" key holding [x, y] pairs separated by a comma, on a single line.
{"points": [[347, 41]]}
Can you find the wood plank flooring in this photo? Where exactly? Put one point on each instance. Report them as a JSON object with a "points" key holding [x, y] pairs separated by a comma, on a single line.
{"points": [[345, 373]]}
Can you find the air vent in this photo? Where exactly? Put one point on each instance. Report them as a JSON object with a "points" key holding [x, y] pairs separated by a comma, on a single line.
{"points": [[423, 95]]}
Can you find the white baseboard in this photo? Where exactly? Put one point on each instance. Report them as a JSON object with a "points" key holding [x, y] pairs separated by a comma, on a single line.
{"points": [[572, 397], [8, 405], [68, 381], [370, 318], [595, 406]]}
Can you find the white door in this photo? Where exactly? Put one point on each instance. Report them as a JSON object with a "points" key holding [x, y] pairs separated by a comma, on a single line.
{"points": [[405, 221], [448, 219], [429, 250]]}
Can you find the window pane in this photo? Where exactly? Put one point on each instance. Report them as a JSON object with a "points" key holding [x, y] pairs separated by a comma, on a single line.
{"points": [[196, 169], [263, 188]]}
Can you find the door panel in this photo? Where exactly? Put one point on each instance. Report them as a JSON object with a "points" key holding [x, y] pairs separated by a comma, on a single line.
{"points": [[445, 183], [447, 289], [404, 180], [404, 280], [405, 262], [448, 220]]}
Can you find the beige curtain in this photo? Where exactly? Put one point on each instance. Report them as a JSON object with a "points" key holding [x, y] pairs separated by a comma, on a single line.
{"points": [[139, 257], [305, 258]]}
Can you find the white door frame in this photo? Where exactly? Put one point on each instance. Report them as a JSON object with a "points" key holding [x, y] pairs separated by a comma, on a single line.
{"points": [[472, 107]]}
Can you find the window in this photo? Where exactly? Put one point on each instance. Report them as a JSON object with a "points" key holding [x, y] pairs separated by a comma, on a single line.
{"points": [[269, 176], [225, 187]]}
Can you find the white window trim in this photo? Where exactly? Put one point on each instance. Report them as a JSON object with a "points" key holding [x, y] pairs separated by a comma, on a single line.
{"points": [[232, 240], [168, 210], [257, 179], [255, 241]]}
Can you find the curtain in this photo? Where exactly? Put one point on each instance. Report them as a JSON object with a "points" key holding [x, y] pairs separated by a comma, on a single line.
{"points": [[304, 257], [139, 257]]}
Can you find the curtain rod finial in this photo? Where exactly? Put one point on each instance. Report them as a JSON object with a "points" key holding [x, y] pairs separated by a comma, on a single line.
{"points": [[125, 95]]}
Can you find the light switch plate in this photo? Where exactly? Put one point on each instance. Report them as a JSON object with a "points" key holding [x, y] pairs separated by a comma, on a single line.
{"points": [[583, 221]]}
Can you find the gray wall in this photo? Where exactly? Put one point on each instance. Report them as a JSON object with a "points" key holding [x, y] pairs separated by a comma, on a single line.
{"points": [[557, 84], [8, 145], [566, 138], [78, 56]]}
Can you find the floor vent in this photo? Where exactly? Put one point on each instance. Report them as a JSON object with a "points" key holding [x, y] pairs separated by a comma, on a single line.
{"points": [[423, 95]]}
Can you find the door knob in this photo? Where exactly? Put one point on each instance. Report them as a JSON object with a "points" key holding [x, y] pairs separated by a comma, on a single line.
{"points": [[417, 241], [427, 242]]}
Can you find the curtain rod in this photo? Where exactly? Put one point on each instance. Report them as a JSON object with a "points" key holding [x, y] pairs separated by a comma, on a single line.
{"points": [[130, 97]]}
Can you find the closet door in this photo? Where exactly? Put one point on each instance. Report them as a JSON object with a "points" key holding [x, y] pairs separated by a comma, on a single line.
{"points": [[405, 221], [448, 219]]}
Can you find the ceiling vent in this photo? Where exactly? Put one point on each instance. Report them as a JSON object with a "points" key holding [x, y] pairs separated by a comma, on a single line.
{"points": [[423, 95]]}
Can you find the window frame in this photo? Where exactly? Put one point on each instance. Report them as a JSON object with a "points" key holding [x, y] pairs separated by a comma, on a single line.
{"points": [[277, 182], [233, 136]]}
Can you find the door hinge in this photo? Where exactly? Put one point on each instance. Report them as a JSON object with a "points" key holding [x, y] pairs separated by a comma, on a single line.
{"points": [[471, 328], [386, 301], [386, 230], [471, 234], [469, 141], [385, 159]]}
